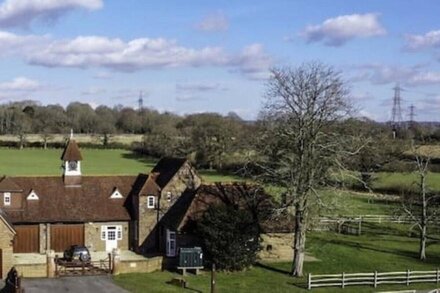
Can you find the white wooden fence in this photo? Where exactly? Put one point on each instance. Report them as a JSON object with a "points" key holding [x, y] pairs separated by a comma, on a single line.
{"points": [[367, 218], [373, 279]]}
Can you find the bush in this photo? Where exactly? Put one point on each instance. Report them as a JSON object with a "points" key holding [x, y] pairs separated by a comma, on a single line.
{"points": [[230, 236]]}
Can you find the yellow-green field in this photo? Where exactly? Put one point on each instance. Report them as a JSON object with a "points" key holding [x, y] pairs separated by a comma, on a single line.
{"points": [[125, 139]]}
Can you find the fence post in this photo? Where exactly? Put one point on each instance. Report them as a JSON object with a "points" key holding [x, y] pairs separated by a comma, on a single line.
{"points": [[343, 280], [309, 281], [110, 263], [437, 275], [360, 226], [56, 265], [375, 279], [83, 268], [407, 277]]}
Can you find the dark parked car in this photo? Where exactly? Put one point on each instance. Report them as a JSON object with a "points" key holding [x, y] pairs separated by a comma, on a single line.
{"points": [[77, 253]]}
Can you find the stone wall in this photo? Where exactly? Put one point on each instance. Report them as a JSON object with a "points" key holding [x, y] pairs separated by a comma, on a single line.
{"points": [[92, 237], [32, 270], [6, 238], [139, 266], [276, 246]]}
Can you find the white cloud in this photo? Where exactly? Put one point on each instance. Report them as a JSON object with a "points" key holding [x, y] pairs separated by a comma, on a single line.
{"points": [[253, 62], [128, 56], [409, 76], [137, 54], [22, 12], [20, 84], [418, 42], [199, 87], [337, 31], [102, 75], [93, 91], [11, 43], [214, 22]]}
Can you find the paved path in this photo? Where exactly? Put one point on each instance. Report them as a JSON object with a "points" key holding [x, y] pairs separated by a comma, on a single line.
{"points": [[95, 284]]}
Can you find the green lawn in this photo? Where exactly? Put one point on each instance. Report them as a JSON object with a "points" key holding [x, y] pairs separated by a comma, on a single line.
{"points": [[95, 162], [36, 161], [388, 180], [336, 253]]}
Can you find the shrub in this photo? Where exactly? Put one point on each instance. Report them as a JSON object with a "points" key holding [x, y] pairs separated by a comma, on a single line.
{"points": [[230, 236]]}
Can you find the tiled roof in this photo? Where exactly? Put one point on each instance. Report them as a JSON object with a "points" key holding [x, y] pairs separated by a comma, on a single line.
{"points": [[166, 168], [88, 202], [71, 152], [7, 184]]}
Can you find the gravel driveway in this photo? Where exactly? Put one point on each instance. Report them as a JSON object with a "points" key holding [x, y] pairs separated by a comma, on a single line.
{"points": [[95, 284]]}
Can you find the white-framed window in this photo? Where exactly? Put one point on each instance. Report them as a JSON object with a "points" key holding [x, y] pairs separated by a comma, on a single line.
{"points": [[111, 232], [7, 198], [151, 201]]}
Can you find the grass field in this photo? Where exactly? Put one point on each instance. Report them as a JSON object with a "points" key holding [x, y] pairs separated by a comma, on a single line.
{"points": [[335, 253], [31, 162]]}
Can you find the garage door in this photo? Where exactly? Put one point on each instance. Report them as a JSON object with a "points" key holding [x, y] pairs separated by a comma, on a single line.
{"points": [[63, 236], [27, 239]]}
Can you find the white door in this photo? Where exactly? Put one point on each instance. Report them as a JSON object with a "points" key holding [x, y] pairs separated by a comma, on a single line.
{"points": [[111, 240], [171, 243]]}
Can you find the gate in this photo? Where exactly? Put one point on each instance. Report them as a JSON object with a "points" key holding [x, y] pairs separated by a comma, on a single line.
{"points": [[65, 268], [27, 239], [62, 236]]}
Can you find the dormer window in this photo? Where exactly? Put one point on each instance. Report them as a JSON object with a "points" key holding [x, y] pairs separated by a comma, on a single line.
{"points": [[116, 194], [169, 196], [7, 199], [32, 196], [151, 201]]}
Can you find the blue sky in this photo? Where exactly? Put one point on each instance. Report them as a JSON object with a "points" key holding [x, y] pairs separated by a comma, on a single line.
{"points": [[193, 56]]}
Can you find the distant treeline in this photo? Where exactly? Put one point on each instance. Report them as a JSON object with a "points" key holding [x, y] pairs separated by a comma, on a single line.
{"points": [[210, 140]]}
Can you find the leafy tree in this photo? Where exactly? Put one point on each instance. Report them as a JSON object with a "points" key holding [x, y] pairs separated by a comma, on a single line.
{"points": [[230, 236]]}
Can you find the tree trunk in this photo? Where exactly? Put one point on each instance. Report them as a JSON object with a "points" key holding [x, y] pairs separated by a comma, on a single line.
{"points": [[424, 219], [299, 242], [422, 249]]}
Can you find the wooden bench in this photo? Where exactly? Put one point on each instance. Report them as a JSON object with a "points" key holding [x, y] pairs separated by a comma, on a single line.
{"points": [[197, 269]]}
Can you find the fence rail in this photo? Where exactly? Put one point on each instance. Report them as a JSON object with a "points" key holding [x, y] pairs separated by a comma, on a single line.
{"points": [[373, 279], [368, 218]]}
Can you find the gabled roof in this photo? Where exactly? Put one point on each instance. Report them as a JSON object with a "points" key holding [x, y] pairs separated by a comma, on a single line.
{"points": [[71, 152], [5, 219], [89, 202], [8, 184], [166, 168], [239, 195]]}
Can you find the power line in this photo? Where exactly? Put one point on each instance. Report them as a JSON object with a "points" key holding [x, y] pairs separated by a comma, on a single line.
{"points": [[397, 108], [140, 101]]}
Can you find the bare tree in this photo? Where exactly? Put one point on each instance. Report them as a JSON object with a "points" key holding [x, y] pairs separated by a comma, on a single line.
{"points": [[420, 206], [299, 145]]}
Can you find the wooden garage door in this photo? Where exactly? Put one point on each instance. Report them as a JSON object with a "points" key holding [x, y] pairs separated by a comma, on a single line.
{"points": [[27, 239], [62, 236]]}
